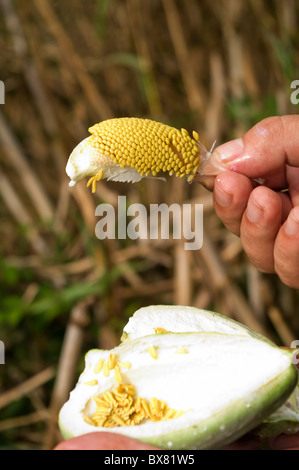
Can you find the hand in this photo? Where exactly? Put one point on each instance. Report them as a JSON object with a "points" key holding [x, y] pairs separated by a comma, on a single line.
{"points": [[103, 441], [248, 197], [110, 441]]}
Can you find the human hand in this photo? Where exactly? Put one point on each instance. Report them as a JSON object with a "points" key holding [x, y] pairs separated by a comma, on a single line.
{"points": [[110, 441], [266, 219], [103, 441]]}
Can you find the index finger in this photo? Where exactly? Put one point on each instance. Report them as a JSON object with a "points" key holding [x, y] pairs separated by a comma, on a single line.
{"points": [[264, 151]]}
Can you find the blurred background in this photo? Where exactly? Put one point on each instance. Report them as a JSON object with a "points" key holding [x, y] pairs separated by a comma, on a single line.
{"points": [[214, 67]]}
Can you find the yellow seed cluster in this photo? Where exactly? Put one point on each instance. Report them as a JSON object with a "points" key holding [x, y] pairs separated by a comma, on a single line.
{"points": [[107, 366], [148, 146], [121, 407]]}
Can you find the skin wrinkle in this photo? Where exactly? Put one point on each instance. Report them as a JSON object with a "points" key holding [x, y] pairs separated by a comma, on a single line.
{"points": [[258, 237], [258, 262], [289, 135], [282, 255]]}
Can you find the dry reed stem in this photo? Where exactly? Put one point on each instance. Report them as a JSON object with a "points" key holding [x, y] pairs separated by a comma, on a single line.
{"points": [[19, 421], [255, 299], [26, 175], [31, 75], [26, 387], [283, 330], [215, 109], [202, 299], [36, 86], [176, 31], [87, 209], [154, 288], [149, 250], [182, 275], [21, 215], [137, 17], [74, 61], [66, 371]]}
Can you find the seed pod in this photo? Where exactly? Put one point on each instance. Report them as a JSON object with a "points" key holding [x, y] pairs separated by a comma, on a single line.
{"points": [[129, 149], [226, 385]]}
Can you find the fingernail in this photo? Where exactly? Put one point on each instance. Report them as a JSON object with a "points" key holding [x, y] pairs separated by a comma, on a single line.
{"points": [[292, 223], [223, 197], [229, 151], [254, 211]]}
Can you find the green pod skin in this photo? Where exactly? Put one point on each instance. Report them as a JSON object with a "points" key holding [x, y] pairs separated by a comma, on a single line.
{"points": [[284, 420], [223, 424], [239, 422]]}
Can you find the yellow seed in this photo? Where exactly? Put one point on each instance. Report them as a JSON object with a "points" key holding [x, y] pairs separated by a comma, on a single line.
{"points": [[170, 414], [112, 361], [94, 186], [91, 382], [155, 406], [118, 420], [195, 136], [99, 366], [108, 396], [178, 413], [118, 375], [130, 389], [160, 330], [102, 410], [185, 133], [145, 407], [125, 364], [100, 401], [153, 352], [87, 419], [181, 351], [106, 369]]}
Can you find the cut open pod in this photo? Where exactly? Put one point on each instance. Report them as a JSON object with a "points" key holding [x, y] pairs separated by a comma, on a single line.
{"points": [[284, 419], [180, 390], [179, 319]]}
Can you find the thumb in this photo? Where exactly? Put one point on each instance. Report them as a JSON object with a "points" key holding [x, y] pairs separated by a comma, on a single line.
{"points": [[264, 150]]}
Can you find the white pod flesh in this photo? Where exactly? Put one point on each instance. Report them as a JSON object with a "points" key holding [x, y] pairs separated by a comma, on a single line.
{"points": [[222, 386]]}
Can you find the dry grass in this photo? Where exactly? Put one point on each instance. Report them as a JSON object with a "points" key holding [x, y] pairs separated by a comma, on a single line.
{"points": [[216, 67]]}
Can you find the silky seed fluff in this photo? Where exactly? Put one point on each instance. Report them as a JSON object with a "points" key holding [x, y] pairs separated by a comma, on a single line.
{"points": [[148, 146]]}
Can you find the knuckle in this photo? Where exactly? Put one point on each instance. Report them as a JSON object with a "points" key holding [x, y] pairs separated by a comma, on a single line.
{"points": [[287, 266], [231, 222], [259, 254]]}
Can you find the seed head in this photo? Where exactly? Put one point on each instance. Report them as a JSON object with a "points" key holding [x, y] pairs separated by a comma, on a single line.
{"points": [[129, 149]]}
